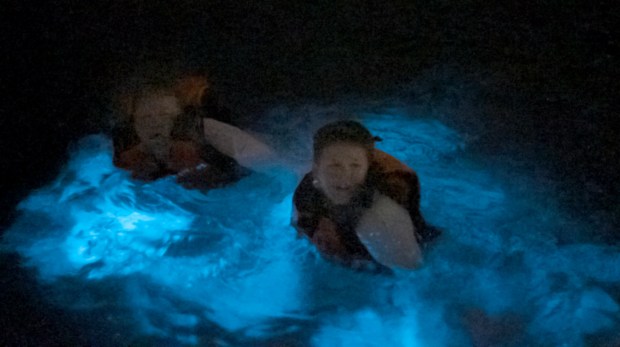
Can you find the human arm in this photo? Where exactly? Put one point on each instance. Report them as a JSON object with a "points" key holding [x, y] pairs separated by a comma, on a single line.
{"points": [[387, 232], [401, 183], [247, 150]]}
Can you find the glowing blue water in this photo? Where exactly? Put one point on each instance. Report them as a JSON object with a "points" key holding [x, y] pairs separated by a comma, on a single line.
{"points": [[223, 268]]}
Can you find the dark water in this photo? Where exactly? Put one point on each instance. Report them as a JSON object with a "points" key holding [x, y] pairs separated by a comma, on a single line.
{"points": [[531, 88]]}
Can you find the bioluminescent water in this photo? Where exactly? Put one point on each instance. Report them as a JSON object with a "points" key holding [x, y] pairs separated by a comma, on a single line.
{"points": [[159, 264]]}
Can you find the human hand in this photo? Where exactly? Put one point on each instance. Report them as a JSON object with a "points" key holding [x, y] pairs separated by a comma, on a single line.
{"points": [[141, 165], [195, 178], [327, 240], [184, 155]]}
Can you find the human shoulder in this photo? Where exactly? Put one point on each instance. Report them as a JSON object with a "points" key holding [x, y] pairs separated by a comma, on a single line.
{"points": [[386, 163], [394, 178]]}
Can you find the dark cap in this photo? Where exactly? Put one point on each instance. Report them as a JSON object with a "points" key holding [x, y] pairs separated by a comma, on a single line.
{"points": [[343, 131]]}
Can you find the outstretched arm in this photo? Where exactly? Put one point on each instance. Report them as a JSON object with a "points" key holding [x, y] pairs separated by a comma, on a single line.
{"points": [[388, 233], [247, 150]]}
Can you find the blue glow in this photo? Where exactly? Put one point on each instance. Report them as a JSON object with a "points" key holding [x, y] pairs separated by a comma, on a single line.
{"points": [[224, 267]]}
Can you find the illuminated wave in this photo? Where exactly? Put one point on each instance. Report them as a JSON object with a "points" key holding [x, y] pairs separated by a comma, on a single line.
{"points": [[224, 268]]}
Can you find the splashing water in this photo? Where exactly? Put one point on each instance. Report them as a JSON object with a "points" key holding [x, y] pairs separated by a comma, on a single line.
{"points": [[224, 268]]}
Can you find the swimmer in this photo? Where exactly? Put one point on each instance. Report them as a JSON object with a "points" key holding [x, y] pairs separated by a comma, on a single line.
{"points": [[359, 206], [180, 130]]}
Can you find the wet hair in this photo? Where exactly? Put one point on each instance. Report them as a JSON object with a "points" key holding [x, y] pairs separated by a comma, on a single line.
{"points": [[347, 131]]}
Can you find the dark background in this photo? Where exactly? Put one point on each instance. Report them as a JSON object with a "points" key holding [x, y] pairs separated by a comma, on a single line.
{"points": [[523, 79]]}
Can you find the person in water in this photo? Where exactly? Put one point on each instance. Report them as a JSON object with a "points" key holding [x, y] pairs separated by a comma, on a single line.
{"points": [[183, 130], [360, 206]]}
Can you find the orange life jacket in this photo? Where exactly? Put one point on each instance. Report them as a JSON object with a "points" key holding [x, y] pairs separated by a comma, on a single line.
{"points": [[314, 216]]}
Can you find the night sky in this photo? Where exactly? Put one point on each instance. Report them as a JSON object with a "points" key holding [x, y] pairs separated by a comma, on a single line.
{"points": [[530, 77]]}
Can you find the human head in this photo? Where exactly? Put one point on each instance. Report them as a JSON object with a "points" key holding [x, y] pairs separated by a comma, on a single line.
{"points": [[343, 131], [153, 106], [154, 115], [190, 90], [342, 156]]}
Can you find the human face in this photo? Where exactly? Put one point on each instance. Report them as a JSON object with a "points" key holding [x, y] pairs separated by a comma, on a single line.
{"points": [[341, 170], [154, 117]]}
